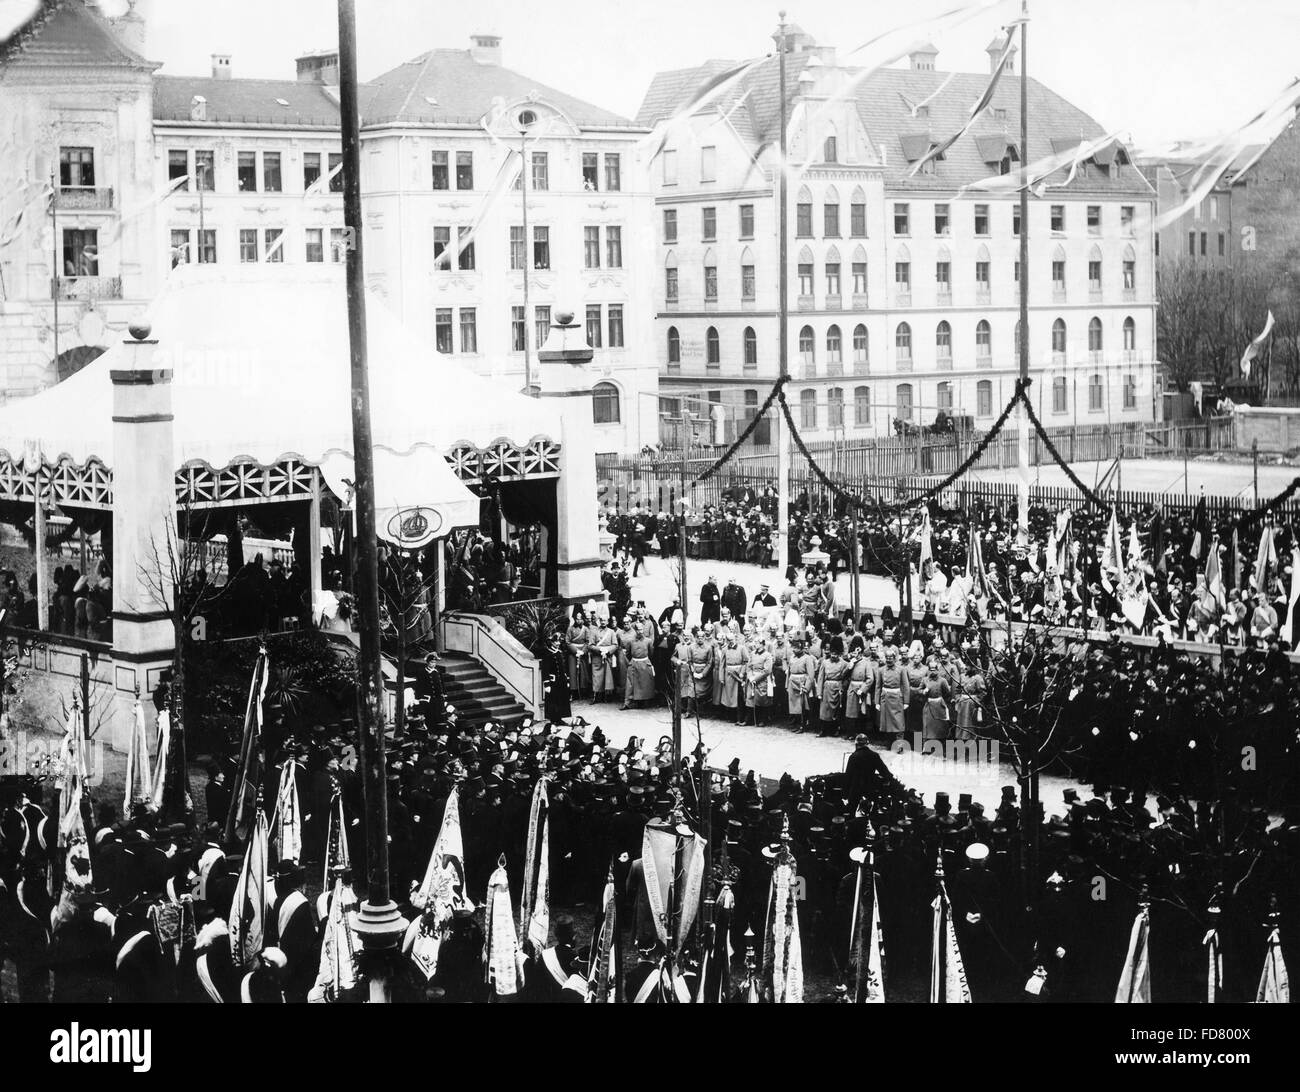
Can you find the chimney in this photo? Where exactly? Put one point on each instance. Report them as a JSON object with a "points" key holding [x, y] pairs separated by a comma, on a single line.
{"points": [[221, 66], [319, 66], [923, 58], [485, 48], [994, 51]]}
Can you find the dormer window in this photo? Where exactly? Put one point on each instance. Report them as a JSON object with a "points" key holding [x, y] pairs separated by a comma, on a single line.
{"points": [[830, 151]]}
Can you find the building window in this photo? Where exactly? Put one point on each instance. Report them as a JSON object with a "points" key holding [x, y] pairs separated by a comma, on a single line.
{"points": [[860, 345], [271, 172], [1058, 337], [178, 167], [1130, 392], [981, 219], [748, 283], [274, 244], [180, 247], [750, 344], [1094, 276], [670, 225], [1096, 393], [835, 407], [983, 339], [541, 248], [441, 242], [805, 279], [593, 325], [468, 330], [832, 278], [441, 171], [830, 151], [904, 401], [709, 224], [746, 221], [248, 244], [591, 247], [1130, 269], [712, 347], [834, 348], [518, 327], [1094, 219], [1094, 335], [711, 283], [246, 172], [807, 347], [464, 170], [1059, 394], [1222, 245], [1214, 208], [670, 284], [803, 220], [310, 169], [831, 221], [941, 219], [861, 406], [314, 245], [541, 324], [807, 409], [903, 341], [669, 159], [590, 171], [1130, 335], [613, 172], [984, 398], [77, 166], [336, 172], [943, 341], [1015, 221], [1058, 275], [338, 245], [1204, 247], [541, 172], [858, 220], [614, 247], [859, 278], [1058, 218], [708, 164], [517, 248], [943, 277], [1191, 244], [208, 246], [465, 247], [982, 278], [674, 346], [1126, 219], [900, 218], [604, 404], [944, 393], [903, 276], [442, 330]]}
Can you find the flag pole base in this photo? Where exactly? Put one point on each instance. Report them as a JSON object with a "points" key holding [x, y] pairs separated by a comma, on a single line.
{"points": [[379, 926]]}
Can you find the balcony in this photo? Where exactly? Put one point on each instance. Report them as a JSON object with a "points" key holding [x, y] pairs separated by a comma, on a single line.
{"points": [[86, 198], [86, 288]]}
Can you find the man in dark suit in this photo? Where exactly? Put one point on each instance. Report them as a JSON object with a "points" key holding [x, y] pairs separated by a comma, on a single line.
{"points": [[734, 599], [710, 602]]}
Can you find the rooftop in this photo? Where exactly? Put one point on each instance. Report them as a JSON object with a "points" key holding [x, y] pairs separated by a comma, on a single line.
{"points": [[246, 102]]}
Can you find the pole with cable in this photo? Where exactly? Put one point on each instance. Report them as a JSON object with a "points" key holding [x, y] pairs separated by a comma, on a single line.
{"points": [[1022, 415], [783, 325]]}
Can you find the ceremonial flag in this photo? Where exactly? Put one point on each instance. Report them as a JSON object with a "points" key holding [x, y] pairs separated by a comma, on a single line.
{"points": [[1200, 528], [1266, 556], [247, 925], [338, 952], [1287, 623], [1134, 544], [70, 840], [927, 540], [948, 983], [604, 982], [448, 850], [1213, 573], [1112, 557], [672, 861], [248, 774], [534, 907], [1135, 979], [288, 815], [1158, 543], [139, 782], [868, 942], [338, 858], [164, 735], [1234, 569], [1252, 350], [502, 959], [1274, 982], [782, 954], [1214, 966]]}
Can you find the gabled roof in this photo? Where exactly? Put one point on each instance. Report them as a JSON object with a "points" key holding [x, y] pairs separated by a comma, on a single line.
{"points": [[71, 33], [448, 86], [246, 102]]}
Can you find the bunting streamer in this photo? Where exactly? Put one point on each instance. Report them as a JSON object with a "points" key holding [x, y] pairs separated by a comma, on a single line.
{"points": [[1135, 980], [603, 981], [247, 924], [948, 985], [288, 815], [1214, 966], [1265, 558], [338, 953], [502, 959], [1252, 350], [1274, 982], [1287, 624], [534, 907], [338, 858], [164, 735], [139, 781], [248, 774], [673, 865]]}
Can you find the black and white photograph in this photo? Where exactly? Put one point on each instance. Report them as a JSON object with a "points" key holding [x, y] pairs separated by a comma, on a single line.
{"points": [[660, 503]]}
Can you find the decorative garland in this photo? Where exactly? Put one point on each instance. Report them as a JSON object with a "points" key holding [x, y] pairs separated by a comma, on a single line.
{"points": [[1075, 480], [729, 454], [1269, 506]]}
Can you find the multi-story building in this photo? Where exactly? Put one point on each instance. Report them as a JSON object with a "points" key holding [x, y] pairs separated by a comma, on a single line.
{"points": [[903, 286], [162, 170]]}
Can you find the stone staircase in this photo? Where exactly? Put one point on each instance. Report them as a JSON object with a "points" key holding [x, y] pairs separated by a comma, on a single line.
{"points": [[477, 696]]}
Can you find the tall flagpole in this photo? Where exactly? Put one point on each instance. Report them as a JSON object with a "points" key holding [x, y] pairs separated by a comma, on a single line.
{"points": [[1022, 415], [783, 333]]}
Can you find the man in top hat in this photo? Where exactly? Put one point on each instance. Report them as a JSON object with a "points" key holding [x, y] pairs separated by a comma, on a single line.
{"points": [[291, 928]]}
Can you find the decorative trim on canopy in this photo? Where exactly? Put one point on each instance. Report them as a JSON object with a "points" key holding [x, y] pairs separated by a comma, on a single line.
{"points": [[504, 461], [88, 485]]}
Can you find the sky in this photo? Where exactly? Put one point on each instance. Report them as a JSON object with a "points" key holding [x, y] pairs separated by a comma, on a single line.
{"points": [[1160, 69]]}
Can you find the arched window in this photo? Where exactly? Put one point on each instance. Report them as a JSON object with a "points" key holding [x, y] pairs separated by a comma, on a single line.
{"points": [[861, 406], [833, 346], [943, 341], [830, 150], [712, 346], [751, 347], [1130, 335], [808, 409], [903, 343], [831, 215], [1096, 393], [1094, 270], [983, 340], [860, 348], [984, 398], [604, 404], [674, 346], [835, 407], [807, 347], [670, 278], [710, 276], [748, 280], [1058, 337], [904, 401], [1060, 394], [1094, 335], [945, 396]]}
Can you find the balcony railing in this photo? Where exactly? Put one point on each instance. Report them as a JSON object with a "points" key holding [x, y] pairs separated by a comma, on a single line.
{"points": [[85, 197], [86, 288]]}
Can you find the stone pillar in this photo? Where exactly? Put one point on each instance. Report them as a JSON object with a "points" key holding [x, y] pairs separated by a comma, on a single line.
{"points": [[564, 378], [144, 518]]}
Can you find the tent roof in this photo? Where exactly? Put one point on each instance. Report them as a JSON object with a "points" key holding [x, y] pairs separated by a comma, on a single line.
{"points": [[261, 370]]}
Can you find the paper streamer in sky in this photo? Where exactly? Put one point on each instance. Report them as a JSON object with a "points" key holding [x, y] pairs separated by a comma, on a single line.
{"points": [[1252, 350]]}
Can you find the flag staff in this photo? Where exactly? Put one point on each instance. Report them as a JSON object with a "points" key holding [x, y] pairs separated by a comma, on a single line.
{"points": [[783, 324], [1022, 415]]}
